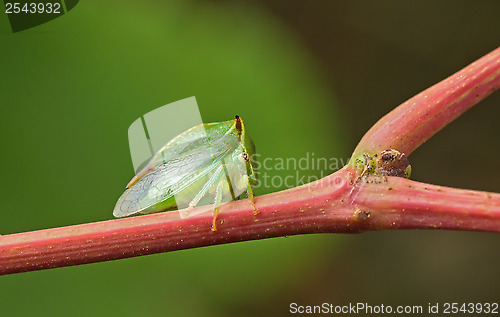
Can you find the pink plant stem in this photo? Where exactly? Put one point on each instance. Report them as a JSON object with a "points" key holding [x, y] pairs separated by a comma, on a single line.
{"points": [[342, 202], [400, 203], [328, 205], [289, 212], [408, 126]]}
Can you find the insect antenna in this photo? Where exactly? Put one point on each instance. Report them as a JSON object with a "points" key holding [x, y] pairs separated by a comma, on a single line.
{"points": [[238, 124]]}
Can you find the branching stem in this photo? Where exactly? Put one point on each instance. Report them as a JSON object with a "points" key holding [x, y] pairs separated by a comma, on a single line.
{"points": [[348, 201]]}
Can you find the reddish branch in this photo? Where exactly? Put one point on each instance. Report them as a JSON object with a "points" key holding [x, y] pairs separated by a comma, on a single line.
{"points": [[408, 126], [345, 201]]}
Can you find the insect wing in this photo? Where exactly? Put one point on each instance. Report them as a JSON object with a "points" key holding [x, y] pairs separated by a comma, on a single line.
{"points": [[174, 171]]}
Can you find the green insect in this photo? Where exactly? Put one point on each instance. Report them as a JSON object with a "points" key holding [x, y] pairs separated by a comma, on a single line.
{"points": [[211, 161]]}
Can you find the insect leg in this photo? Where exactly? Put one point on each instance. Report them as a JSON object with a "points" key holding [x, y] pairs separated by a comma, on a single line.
{"points": [[250, 194], [218, 173], [218, 198]]}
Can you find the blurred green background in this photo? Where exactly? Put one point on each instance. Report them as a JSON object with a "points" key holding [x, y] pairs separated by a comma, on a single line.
{"points": [[307, 77]]}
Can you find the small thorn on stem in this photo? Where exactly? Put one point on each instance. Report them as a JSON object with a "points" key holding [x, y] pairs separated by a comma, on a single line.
{"points": [[361, 215]]}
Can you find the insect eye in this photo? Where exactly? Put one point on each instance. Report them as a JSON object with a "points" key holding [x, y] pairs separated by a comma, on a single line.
{"points": [[244, 156]]}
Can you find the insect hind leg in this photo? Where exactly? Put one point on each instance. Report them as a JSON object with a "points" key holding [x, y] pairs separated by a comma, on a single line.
{"points": [[214, 179], [250, 194], [218, 199]]}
